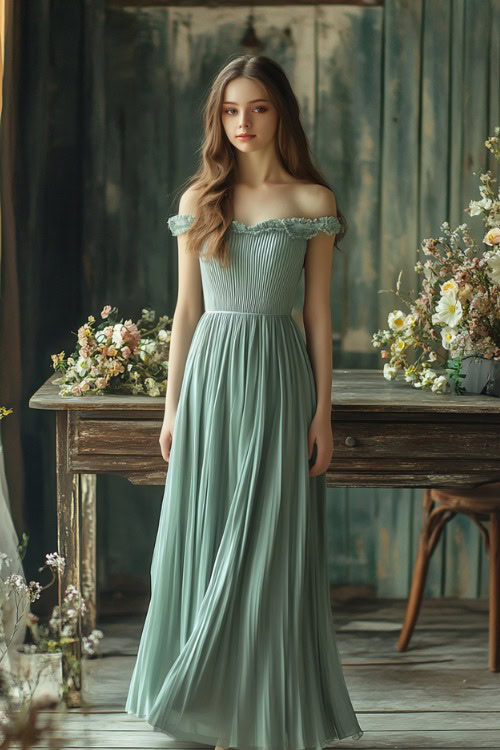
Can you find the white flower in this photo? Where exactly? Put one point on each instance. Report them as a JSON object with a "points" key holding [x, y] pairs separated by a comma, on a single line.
{"points": [[163, 334], [34, 590], [389, 371], [399, 345], [54, 560], [427, 377], [448, 310], [448, 335], [410, 375], [118, 331], [396, 320], [83, 365], [494, 266], [440, 384], [5, 560], [449, 286], [410, 321], [148, 315], [492, 236], [146, 348], [16, 582], [476, 207]]}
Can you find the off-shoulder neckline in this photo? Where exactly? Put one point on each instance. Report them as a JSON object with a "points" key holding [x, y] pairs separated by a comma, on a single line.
{"points": [[267, 222]]}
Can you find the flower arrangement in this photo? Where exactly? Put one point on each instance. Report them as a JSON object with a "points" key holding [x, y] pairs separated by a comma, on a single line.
{"points": [[457, 312], [58, 635], [117, 356]]}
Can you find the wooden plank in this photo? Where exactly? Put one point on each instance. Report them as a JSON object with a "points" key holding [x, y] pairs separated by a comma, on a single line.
{"points": [[399, 230], [402, 739], [434, 126], [477, 35], [365, 388], [409, 720], [236, 3], [349, 50]]}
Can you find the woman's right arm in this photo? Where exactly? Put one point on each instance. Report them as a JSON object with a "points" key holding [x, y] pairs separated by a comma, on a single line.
{"points": [[188, 310]]}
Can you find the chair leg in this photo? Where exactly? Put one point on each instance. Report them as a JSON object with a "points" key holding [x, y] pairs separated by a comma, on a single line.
{"points": [[494, 603], [433, 522]]}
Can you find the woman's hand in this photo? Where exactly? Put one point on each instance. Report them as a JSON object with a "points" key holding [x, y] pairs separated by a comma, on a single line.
{"points": [[320, 431], [166, 434]]}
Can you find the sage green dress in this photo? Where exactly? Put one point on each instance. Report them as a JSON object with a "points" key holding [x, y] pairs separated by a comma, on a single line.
{"points": [[238, 647]]}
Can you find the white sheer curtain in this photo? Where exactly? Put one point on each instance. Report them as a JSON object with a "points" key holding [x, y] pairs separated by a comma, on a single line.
{"points": [[8, 545]]}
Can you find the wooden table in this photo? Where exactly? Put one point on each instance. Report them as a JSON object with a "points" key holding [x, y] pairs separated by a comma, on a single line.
{"points": [[386, 434]]}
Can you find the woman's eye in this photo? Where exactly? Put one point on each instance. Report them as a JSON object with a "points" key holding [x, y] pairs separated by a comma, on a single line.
{"points": [[228, 111]]}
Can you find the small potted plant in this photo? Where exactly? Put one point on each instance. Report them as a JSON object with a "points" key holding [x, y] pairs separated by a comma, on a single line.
{"points": [[36, 667]]}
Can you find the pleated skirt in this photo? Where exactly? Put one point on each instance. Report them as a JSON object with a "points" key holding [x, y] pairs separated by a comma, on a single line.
{"points": [[238, 647]]}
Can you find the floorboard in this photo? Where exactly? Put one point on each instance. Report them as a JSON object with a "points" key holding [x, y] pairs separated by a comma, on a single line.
{"points": [[438, 694]]}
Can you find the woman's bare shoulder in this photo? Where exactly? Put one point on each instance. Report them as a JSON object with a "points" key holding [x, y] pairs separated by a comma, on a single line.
{"points": [[189, 201], [316, 200]]}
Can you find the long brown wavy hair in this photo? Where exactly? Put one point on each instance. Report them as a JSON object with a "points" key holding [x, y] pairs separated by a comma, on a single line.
{"points": [[215, 177]]}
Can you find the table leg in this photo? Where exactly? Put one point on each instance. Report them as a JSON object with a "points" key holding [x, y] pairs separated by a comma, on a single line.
{"points": [[68, 538], [88, 572]]}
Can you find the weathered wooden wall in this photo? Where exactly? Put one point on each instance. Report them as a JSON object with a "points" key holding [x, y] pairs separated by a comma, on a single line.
{"points": [[397, 101]]}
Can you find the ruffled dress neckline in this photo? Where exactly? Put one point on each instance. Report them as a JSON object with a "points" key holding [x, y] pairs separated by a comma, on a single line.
{"points": [[297, 226]]}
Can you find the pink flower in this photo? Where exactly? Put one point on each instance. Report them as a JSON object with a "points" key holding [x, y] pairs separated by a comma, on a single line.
{"points": [[105, 311], [131, 335]]}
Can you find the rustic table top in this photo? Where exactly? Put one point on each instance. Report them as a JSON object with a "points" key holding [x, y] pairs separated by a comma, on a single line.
{"points": [[353, 390]]}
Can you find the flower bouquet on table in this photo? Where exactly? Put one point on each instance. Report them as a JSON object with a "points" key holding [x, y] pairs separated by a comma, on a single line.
{"points": [[117, 356], [456, 315]]}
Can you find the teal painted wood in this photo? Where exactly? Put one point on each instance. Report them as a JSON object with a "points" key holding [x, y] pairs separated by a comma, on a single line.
{"points": [[396, 102], [347, 139], [389, 165]]}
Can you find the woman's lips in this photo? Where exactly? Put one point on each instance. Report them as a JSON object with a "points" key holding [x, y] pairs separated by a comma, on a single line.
{"points": [[245, 137]]}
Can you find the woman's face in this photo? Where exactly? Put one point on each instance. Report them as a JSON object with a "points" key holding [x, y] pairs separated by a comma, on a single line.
{"points": [[246, 108]]}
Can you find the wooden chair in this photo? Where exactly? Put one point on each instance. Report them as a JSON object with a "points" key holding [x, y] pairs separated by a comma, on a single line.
{"points": [[439, 507]]}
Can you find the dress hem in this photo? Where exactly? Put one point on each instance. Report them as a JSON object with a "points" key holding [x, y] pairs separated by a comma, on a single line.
{"points": [[224, 741]]}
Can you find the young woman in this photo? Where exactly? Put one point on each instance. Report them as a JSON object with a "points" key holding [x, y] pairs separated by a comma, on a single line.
{"points": [[238, 649]]}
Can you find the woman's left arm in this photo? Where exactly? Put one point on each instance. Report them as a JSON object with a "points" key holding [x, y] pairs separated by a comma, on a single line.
{"points": [[318, 331]]}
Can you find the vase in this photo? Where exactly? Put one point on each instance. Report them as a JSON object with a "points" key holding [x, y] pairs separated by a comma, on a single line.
{"points": [[40, 674], [482, 375]]}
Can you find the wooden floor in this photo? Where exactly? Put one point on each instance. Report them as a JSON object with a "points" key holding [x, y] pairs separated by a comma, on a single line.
{"points": [[438, 694]]}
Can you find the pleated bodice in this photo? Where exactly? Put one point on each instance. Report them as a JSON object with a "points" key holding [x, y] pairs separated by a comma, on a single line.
{"points": [[266, 263]]}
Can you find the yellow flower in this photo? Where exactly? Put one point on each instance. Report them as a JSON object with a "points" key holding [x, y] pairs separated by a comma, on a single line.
{"points": [[398, 346]]}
